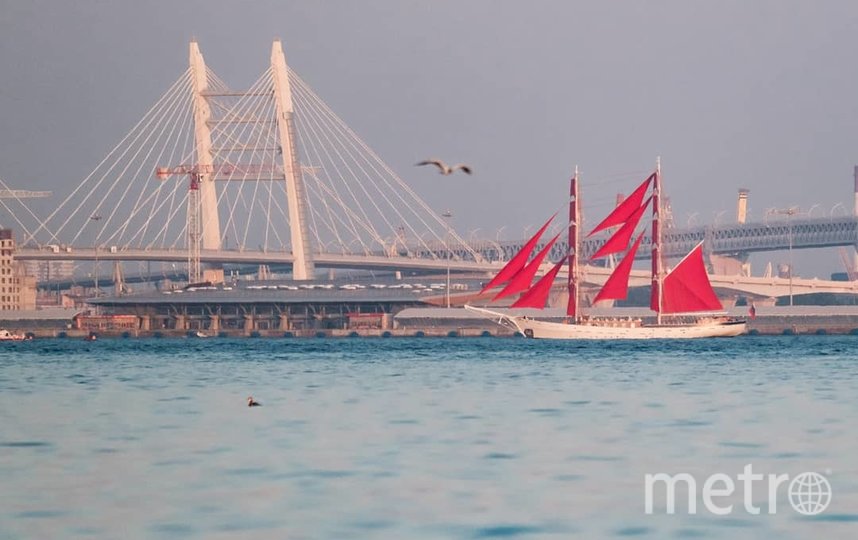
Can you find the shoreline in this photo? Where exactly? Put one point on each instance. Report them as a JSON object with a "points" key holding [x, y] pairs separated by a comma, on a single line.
{"points": [[435, 332]]}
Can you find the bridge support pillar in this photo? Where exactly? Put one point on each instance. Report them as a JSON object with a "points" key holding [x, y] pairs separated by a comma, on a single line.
{"points": [[118, 279], [145, 323], [212, 275], [214, 323], [586, 295], [728, 265], [558, 299], [181, 322], [249, 324], [284, 322], [728, 301]]}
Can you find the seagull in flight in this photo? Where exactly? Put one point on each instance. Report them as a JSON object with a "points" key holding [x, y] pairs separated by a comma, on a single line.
{"points": [[444, 168]]}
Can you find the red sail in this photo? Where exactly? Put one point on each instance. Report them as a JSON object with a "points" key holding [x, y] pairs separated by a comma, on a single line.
{"points": [[625, 209], [522, 280], [687, 288], [620, 240], [617, 286], [515, 264], [538, 294]]}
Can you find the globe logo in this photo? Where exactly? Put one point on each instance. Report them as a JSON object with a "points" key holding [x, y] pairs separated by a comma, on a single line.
{"points": [[809, 493]]}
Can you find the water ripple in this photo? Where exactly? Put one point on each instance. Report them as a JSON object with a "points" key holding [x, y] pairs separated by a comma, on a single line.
{"points": [[507, 531], [26, 444], [413, 438]]}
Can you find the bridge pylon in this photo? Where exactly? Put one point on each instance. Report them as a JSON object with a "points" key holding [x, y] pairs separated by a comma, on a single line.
{"points": [[296, 193], [202, 209]]}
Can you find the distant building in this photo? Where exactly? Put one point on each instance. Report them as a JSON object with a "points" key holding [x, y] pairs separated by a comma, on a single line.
{"points": [[17, 289], [50, 270]]}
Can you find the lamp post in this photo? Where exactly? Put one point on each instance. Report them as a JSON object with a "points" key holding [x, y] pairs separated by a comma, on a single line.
{"points": [[789, 213], [718, 216], [497, 242], [448, 215], [835, 207], [472, 236]]}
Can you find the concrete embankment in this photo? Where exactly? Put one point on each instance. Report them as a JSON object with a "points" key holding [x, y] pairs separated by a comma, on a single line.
{"points": [[456, 322], [488, 331]]}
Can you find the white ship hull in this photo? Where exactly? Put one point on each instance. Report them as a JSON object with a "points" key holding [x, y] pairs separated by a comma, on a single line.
{"points": [[616, 328]]}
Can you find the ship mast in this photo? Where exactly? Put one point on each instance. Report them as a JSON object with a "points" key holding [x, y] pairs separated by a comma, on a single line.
{"points": [[657, 278], [572, 279]]}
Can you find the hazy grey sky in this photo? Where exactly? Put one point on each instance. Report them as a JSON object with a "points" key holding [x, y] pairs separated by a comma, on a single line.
{"points": [[758, 94]]}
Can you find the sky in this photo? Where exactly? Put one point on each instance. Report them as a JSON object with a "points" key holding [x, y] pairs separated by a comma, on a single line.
{"points": [[737, 93]]}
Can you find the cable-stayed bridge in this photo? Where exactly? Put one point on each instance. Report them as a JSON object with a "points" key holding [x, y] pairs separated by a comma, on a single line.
{"points": [[211, 175], [270, 175], [484, 254], [726, 239]]}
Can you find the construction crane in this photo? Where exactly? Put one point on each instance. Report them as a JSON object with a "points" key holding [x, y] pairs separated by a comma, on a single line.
{"points": [[195, 173], [23, 194]]}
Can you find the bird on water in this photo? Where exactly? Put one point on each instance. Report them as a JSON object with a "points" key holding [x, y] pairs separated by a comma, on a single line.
{"points": [[444, 168], [252, 403]]}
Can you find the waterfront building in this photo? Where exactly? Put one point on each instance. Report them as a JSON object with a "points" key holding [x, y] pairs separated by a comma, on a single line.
{"points": [[17, 289]]}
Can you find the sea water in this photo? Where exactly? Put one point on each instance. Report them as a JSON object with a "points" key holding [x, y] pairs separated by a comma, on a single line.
{"points": [[418, 438]]}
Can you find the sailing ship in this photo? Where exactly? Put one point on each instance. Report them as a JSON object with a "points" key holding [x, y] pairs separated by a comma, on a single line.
{"points": [[683, 300]]}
